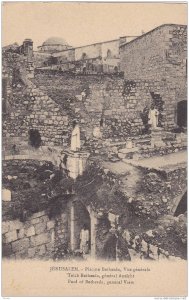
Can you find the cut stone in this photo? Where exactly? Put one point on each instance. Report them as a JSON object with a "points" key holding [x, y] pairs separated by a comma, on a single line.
{"points": [[6, 195]]}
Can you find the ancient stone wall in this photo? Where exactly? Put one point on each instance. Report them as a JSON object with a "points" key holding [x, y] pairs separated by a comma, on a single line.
{"points": [[67, 55], [159, 55], [32, 109], [90, 51], [41, 59], [156, 55], [37, 237], [115, 104]]}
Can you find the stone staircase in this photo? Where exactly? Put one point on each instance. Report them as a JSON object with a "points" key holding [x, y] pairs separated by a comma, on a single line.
{"points": [[158, 143]]}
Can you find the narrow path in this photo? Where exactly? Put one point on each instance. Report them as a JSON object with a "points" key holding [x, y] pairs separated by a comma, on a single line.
{"points": [[164, 161], [130, 175]]}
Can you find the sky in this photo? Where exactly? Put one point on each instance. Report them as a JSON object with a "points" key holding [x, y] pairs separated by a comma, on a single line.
{"points": [[84, 23]]}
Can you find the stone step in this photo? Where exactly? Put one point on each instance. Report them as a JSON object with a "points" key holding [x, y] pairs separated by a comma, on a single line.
{"points": [[128, 150], [143, 141]]}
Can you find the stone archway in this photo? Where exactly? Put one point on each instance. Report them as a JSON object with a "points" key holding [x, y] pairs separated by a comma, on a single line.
{"points": [[180, 204], [79, 216]]}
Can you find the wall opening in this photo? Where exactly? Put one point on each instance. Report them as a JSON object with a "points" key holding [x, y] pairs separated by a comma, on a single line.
{"points": [[158, 103], [106, 241], [34, 138], [182, 206], [182, 113], [84, 56], [79, 217], [109, 53], [116, 69], [84, 70]]}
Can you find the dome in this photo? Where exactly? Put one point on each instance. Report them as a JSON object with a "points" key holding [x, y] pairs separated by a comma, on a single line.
{"points": [[55, 41]]}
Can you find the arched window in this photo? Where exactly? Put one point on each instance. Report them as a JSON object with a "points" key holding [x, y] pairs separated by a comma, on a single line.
{"points": [[182, 205], [109, 53], [84, 56], [116, 69]]}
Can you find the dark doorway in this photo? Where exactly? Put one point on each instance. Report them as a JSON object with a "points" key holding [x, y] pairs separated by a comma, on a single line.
{"points": [[109, 53], [182, 206], [79, 217], [105, 240], [116, 69], [34, 138], [182, 113]]}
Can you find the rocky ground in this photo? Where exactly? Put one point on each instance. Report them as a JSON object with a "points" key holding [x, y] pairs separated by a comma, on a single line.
{"points": [[146, 224]]}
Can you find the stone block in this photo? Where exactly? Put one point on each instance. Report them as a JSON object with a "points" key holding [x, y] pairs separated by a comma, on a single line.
{"points": [[128, 150], [40, 239], [38, 214], [31, 252], [40, 227], [41, 250], [50, 246], [6, 195], [16, 224], [35, 221], [6, 250], [20, 245], [21, 233], [30, 231], [50, 224], [21, 254], [11, 236], [44, 219], [5, 227]]}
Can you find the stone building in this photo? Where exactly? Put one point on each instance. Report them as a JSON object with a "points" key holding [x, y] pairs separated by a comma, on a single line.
{"points": [[54, 44], [39, 107], [157, 63], [93, 58]]}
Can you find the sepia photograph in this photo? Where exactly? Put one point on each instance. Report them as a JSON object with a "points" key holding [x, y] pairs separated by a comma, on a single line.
{"points": [[94, 148]]}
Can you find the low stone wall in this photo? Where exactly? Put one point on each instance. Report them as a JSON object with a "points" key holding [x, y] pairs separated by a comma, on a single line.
{"points": [[34, 238]]}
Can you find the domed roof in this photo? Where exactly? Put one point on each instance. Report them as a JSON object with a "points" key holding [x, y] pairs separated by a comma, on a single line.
{"points": [[55, 41]]}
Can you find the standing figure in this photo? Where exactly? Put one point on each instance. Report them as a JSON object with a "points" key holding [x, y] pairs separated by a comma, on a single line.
{"points": [[75, 138], [153, 117], [97, 133], [84, 240]]}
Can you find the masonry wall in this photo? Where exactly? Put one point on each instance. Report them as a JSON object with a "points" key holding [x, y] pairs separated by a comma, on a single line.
{"points": [[104, 101], [117, 102], [111, 103], [91, 51], [113, 46], [159, 55], [114, 104], [41, 59], [32, 109], [37, 237], [68, 55]]}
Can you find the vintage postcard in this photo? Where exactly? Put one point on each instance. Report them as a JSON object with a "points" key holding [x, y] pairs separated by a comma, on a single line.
{"points": [[94, 149]]}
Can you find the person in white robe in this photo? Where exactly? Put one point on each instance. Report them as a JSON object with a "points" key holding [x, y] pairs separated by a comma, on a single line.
{"points": [[97, 133], [153, 117], [75, 138], [84, 240]]}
